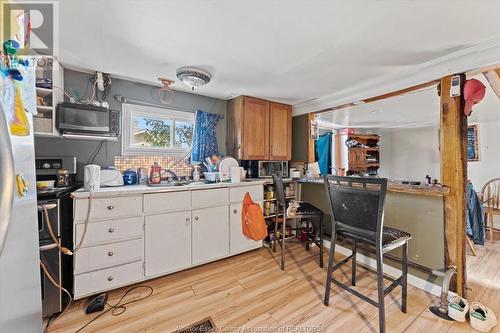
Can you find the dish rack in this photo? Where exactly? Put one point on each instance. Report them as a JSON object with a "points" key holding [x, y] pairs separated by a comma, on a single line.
{"points": [[217, 176]]}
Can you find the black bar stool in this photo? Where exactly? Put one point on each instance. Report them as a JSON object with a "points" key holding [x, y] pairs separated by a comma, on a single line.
{"points": [[305, 210], [357, 211]]}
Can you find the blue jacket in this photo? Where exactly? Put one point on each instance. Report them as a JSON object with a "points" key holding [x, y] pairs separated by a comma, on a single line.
{"points": [[475, 216]]}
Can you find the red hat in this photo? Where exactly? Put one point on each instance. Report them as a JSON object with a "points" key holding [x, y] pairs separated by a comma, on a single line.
{"points": [[474, 91]]}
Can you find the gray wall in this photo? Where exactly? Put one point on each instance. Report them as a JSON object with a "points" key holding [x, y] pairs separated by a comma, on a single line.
{"points": [[83, 149]]}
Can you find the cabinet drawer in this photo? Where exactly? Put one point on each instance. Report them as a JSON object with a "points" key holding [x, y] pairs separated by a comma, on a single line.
{"points": [[103, 256], [167, 202], [210, 198], [103, 208], [95, 282], [236, 194], [109, 231]]}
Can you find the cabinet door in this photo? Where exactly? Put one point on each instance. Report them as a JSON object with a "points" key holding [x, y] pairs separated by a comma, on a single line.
{"points": [[210, 234], [167, 243], [238, 241], [255, 129], [280, 132]]}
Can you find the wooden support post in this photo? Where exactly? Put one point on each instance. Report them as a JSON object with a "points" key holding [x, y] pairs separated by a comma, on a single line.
{"points": [[453, 143]]}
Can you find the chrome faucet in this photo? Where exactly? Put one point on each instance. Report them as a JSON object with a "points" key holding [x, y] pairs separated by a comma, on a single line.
{"points": [[171, 173]]}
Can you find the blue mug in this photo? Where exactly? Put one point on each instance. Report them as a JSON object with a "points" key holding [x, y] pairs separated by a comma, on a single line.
{"points": [[130, 177]]}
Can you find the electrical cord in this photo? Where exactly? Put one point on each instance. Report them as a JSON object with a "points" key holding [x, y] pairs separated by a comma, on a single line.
{"points": [[95, 153], [85, 225], [62, 249], [53, 281], [119, 308]]}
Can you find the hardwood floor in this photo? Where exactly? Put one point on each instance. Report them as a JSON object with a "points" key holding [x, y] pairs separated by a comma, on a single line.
{"points": [[250, 291]]}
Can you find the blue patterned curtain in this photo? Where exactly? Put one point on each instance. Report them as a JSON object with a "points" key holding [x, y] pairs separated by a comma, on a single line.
{"points": [[205, 139]]}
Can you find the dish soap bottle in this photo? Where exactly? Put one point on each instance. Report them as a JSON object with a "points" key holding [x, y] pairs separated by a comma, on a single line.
{"points": [[196, 173]]}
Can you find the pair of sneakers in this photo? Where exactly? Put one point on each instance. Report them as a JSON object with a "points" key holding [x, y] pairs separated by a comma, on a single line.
{"points": [[481, 318]]}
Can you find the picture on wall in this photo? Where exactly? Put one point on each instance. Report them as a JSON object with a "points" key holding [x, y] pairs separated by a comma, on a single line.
{"points": [[472, 143]]}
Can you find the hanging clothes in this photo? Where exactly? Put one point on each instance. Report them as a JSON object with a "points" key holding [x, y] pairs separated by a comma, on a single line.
{"points": [[205, 138], [475, 216], [323, 147]]}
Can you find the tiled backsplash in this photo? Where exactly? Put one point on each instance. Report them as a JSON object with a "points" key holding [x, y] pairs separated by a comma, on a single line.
{"points": [[181, 169]]}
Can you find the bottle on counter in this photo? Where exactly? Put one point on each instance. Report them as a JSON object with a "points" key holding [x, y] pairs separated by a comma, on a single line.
{"points": [[428, 180], [155, 174], [196, 173]]}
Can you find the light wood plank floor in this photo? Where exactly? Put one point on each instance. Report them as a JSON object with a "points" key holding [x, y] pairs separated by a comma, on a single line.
{"points": [[250, 291]]}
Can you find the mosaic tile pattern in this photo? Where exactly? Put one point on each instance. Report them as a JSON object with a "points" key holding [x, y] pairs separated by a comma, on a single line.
{"points": [[181, 169]]}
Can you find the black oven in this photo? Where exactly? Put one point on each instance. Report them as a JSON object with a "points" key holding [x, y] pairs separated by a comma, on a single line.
{"points": [[89, 120]]}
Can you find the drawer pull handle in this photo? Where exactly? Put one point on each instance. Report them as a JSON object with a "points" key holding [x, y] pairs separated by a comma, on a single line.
{"points": [[110, 278], [110, 207], [235, 211], [187, 220], [196, 218], [111, 230], [110, 253]]}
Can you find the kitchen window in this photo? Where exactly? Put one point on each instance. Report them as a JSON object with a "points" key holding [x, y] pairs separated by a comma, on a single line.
{"points": [[156, 131]]}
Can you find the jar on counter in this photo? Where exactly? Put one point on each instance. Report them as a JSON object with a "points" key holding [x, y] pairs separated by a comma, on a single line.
{"points": [[269, 193], [62, 178]]}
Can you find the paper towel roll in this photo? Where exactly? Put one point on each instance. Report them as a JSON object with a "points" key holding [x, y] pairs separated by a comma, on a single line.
{"points": [[235, 174]]}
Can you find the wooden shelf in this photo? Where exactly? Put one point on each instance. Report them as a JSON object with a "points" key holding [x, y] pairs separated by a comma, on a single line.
{"points": [[43, 92], [274, 199], [43, 109]]}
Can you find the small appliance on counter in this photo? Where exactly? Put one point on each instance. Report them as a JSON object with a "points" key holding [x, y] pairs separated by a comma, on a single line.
{"points": [[92, 177], [111, 177]]}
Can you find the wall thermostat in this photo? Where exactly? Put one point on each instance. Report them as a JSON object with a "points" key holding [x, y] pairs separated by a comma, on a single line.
{"points": [[455, 86]]}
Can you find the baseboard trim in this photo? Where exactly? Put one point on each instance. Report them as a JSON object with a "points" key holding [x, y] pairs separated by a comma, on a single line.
{"points": [[389, 270]]}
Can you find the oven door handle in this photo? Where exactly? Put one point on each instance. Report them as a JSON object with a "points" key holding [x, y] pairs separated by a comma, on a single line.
{"points": [[48, 247], [6, 179], [47, 206]]}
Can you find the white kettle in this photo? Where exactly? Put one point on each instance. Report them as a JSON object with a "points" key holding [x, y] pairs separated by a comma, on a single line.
{"points": [[92, 177]]}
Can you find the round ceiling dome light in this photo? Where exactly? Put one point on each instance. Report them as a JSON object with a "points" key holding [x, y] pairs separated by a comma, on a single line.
{"points": [[193, 77]]}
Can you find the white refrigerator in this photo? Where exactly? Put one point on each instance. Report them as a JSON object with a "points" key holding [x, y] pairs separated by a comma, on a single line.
{"points": [[20, 292]]}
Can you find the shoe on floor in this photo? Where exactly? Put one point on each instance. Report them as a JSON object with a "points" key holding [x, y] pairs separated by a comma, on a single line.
{"points": [[482, 318], [458, 308]]}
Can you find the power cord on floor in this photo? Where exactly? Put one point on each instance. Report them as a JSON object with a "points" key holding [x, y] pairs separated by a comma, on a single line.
{"points": [[119, 308]]}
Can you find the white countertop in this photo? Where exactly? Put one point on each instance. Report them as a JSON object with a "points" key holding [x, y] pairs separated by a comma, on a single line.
{"points": [[139, 189]]}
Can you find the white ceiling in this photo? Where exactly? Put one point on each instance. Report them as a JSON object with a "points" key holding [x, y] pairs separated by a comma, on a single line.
{"points": [[290, 51], [413, 110]]}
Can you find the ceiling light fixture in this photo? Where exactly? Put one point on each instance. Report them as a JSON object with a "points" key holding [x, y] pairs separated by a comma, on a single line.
{"points": [[193, 77]]}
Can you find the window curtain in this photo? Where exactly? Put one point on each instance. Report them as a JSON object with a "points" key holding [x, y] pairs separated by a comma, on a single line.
{"points": [[323, 153], [205, 139]]}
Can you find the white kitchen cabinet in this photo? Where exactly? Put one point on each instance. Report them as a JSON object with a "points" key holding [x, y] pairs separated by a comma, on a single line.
{"points": [[238, 242], [210, 234], [167, 243]]}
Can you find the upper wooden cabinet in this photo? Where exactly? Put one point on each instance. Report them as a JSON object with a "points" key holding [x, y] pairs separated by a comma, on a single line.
{"points": [[259, 129]]}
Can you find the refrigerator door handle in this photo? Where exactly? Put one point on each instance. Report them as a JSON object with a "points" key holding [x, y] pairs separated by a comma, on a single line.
{"points": [[6, 179]]}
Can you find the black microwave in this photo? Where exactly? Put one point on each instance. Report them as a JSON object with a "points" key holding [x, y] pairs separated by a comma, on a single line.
{"points": [[88, 120]]}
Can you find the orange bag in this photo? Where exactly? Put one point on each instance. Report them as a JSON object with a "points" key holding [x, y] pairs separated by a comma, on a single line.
{"points": [[252, 219]]}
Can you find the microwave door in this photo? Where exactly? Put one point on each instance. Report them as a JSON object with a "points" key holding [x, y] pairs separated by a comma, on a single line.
{"points": [[84, 120]]}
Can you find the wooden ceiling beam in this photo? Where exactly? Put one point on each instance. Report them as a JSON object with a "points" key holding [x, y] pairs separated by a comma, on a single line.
{"points": [[493, 77]]}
